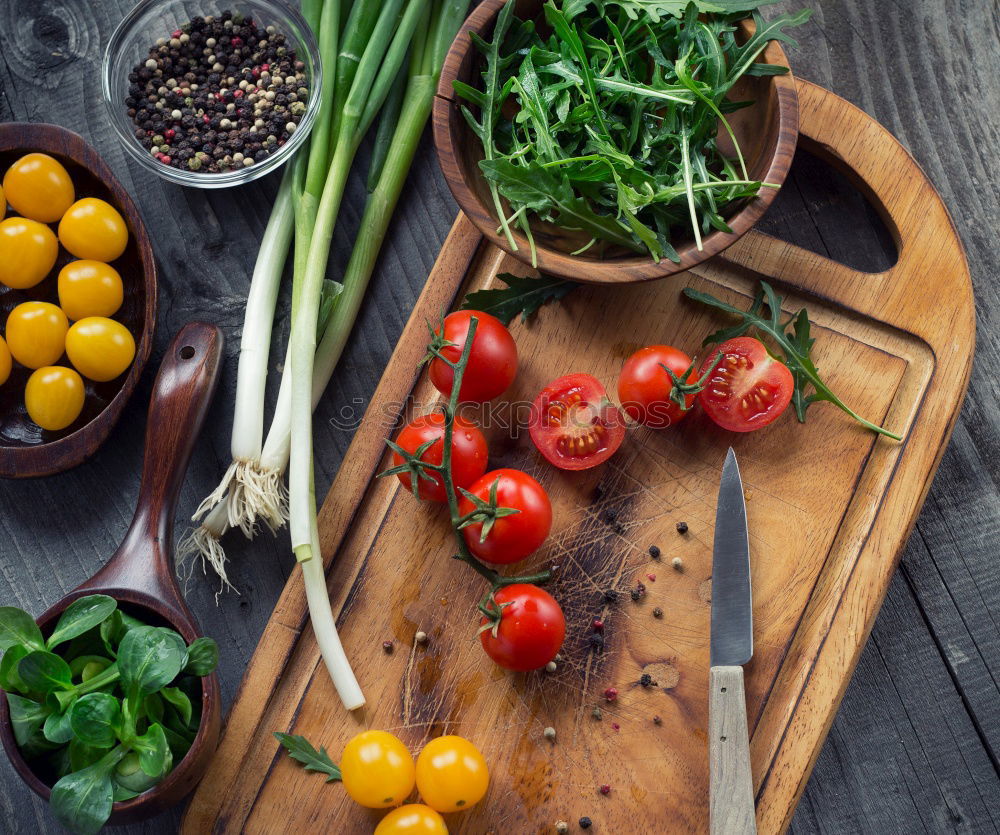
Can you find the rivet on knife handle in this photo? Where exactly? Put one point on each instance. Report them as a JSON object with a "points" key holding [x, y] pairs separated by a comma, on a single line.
{"points": [[731, 803]]}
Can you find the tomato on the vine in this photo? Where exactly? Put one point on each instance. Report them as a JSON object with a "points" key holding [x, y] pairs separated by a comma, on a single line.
{"points": [[492, 360], [748, 388], [412, 819], [574, 424], [377, 769], [468, 453], [530, 631], [645, 387], [452, 774], [511, 537]]}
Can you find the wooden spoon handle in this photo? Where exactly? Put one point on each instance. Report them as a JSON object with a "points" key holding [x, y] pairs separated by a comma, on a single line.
{"points": [[731, 804], [182, 392]]}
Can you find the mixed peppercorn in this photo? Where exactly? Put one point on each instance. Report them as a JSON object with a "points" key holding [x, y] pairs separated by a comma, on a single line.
{"points": [[222, 93]]}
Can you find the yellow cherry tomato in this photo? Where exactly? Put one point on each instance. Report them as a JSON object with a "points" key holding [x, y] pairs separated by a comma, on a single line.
{"points": [[377, 770], [28, 251], [39, 187], [100, 348], [92, 228], [451, 774], [54, 397], [89, 288], [36, 333], [412, 819], [5, 361]]}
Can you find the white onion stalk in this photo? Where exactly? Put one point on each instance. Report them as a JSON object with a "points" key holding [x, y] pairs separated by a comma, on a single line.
{"points": [[243, 487]]}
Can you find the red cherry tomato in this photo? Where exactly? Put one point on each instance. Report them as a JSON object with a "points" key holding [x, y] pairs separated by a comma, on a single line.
{"points": [[492, 361], [512, 537], [574, 424], [748, 389], [468, 453], [644, 387], [531, 628]]}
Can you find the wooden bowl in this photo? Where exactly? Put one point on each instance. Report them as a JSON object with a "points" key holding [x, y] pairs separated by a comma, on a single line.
{"points": [[25, 449], [767, 133], [140, 574]]}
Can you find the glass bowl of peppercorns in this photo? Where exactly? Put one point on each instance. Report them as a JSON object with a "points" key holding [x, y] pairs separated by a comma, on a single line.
{"points": [[211, 94]]}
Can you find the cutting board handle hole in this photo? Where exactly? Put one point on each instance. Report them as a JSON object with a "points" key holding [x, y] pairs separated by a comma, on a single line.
{"points": [[849, 224], [186, 352]]}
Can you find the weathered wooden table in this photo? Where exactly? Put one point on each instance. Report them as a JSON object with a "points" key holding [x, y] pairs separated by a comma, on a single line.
{"points": [[916, 744]]}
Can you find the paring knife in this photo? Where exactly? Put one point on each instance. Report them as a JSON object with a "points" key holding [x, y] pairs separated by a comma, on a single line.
{"points": [[731, 800]]}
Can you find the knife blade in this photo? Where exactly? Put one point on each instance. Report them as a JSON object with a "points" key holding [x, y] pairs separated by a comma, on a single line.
{"points": [[732, 612], [731, 798]]}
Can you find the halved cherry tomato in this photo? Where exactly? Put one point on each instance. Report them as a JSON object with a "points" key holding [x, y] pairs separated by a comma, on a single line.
{"points": [[412, 819], [451, 774], [748, 389], [644, 387], [574, 424], [468, 453], [530, 631], [511, 538], [377, 769], [492, 360]]}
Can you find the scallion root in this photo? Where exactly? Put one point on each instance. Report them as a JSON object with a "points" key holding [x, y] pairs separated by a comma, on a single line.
{"points": [[203, 544]]}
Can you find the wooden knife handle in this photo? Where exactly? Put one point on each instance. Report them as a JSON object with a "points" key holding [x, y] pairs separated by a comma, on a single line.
{"points": [[731, 802]]}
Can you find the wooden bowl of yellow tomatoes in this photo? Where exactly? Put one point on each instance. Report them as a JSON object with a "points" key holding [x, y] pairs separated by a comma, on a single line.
{"points": [[77, 299]]}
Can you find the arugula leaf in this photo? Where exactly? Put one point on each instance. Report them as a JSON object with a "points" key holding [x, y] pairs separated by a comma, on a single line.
{"points": [[521, 297], [300, 749], [795, 344], [654, 9]]}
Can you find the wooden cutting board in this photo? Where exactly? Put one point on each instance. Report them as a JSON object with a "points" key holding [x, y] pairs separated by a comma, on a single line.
{"points": [[830, 506]]}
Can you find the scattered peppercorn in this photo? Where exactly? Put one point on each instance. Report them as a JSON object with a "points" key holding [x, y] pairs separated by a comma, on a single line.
{"points": [[421, 638], [585, 822], [651, 578], [654, 552], [597, 625], [551, 667], [549, 734], [596, 641], [645, 680], [611, 596], [615, 726], [208, 94], [657, 720], [677, 563], [638, 592], [605, 789], [597, 713], [387, 646], [562, 826], [682, 527], [657, 612], [611, 694]]}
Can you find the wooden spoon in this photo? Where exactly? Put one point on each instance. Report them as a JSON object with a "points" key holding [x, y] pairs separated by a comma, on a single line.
{"points": [[140, 575]]}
